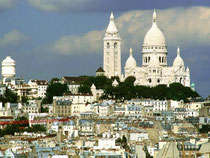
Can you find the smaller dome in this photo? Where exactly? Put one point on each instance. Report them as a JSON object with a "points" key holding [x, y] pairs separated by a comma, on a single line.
{"points": [[178, 61], [115, 83], [93, 86], [131, 62], [8, 61]]}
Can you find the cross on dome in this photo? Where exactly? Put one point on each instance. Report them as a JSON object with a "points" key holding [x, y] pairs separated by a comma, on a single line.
{"points": [[178, 51], [131, 52]]}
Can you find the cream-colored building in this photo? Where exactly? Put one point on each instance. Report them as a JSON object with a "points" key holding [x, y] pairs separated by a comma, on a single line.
{"points": [[154, 69], [61, 107], [31, 108], [77, 98], [39, 87], [77, 108]]}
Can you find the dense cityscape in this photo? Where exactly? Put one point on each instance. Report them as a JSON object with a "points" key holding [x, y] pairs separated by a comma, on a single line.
{"points": [[147, 111]]}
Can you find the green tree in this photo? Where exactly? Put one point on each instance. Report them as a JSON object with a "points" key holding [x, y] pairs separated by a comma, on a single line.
{"points": [[130, 80], [127, 90], [12, 128], [24, 99], [54, 80], [115, 77], [10, 96], [43, 110], [101, 82], [123, 143], [36, 128], [84, 89], [55, 89]]}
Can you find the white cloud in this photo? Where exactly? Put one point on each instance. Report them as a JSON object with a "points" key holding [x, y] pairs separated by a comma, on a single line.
{"points": [[180, 26], [13, 38], [60, 5], [73, 44], [5, 4]]}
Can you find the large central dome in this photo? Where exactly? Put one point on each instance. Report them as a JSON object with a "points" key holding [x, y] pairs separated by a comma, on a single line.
{"points": [[154, 37]]}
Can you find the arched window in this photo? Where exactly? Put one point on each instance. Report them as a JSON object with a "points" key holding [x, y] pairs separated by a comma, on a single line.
{"points": [[160, 59], [108, 45], [148, 59], [158, 80], [115, 45], [150, 80]]}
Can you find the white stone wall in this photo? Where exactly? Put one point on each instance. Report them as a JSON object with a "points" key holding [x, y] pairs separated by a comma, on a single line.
{"points": [[138, 136], [77, 99]]}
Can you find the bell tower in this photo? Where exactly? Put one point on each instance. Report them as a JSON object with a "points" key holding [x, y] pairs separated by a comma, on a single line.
{"points": [[112, 50]]}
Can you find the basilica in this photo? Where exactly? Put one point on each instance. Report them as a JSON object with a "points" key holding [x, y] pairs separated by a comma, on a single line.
{"points": [[154, 69]]}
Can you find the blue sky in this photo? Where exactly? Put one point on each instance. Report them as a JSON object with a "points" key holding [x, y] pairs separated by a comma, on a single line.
{"points": [[53, 38]]}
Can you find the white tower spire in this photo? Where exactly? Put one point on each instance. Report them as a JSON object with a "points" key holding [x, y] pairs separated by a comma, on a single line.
{"points": [[111, 16], [111, 27], [112, 50], [154, 16]]}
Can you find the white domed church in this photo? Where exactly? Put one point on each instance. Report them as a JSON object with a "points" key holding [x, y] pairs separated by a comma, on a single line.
{"points": [[155, 69]]}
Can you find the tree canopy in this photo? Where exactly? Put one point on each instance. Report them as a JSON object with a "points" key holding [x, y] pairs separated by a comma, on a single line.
{"points": [[101, 82], [55, 89], [12, 128], [125, 90], [9, 96]]}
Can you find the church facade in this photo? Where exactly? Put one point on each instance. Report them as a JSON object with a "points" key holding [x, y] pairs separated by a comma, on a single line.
{"points": [[154, 69]]}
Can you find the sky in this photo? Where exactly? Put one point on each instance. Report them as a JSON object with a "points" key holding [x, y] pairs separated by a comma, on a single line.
{"points": [[55, 38]]}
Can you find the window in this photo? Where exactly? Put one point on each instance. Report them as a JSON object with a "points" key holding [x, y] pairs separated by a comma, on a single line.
{"points": [[108, 45], [115, 45], [150, 80]]}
